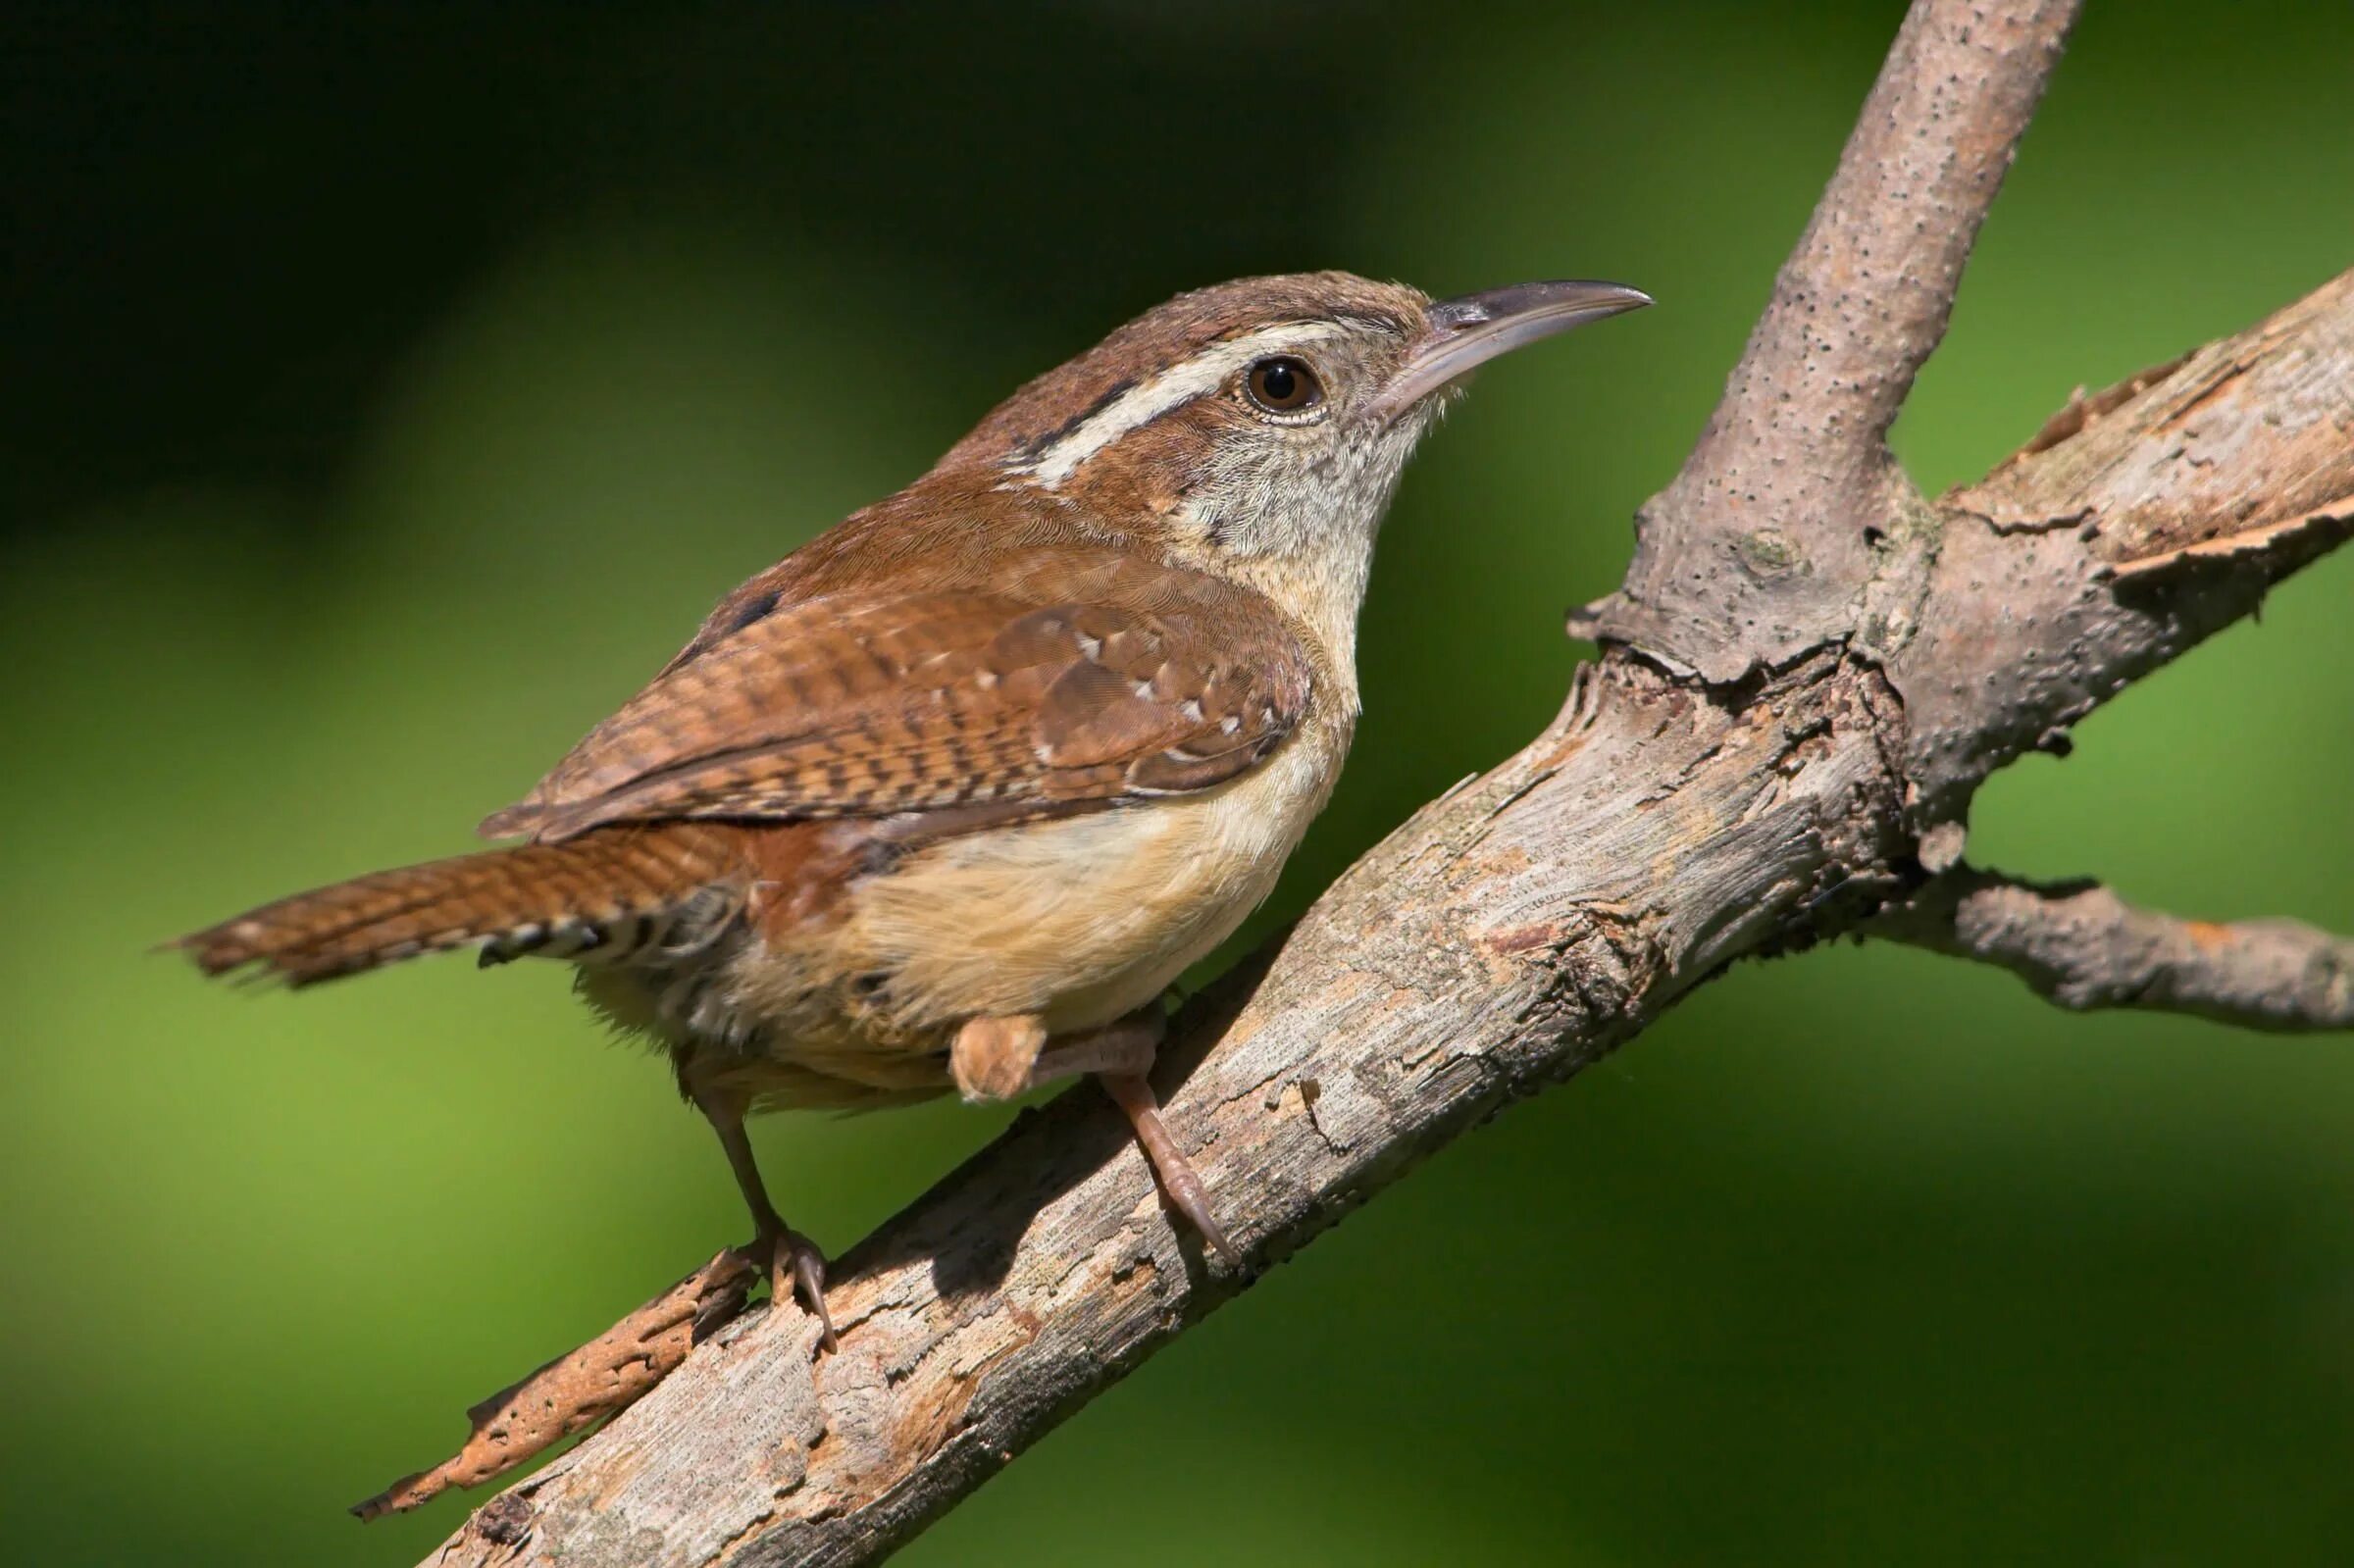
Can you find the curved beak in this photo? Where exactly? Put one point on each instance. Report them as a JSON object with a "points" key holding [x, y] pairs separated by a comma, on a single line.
{"points": [[1473, 328]]}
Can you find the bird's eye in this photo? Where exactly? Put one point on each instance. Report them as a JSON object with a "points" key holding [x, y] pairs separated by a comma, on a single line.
{"points": [[1283, 385]]}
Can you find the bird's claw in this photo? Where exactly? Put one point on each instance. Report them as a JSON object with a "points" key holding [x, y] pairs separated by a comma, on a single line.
{"points": [[796, 1271]]}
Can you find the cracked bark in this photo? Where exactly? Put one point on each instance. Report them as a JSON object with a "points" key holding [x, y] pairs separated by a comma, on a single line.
{"points": [[1808, 673]]}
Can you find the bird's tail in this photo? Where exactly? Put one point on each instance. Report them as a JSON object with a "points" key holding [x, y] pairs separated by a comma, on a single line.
{"points": [[617, 890]]}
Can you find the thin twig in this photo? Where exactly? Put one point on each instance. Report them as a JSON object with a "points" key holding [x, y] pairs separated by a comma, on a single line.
{"points": [[2080, 945], [581, 1386]]}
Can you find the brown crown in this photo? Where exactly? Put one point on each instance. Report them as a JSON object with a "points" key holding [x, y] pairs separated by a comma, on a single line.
{"points": [[1058, 401]]}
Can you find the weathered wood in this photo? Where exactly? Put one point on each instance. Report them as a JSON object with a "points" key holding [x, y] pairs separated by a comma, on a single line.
{"points": [[1877, 656]]}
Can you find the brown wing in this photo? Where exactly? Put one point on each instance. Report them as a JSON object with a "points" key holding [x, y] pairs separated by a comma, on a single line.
{"points": [[872, 702]]}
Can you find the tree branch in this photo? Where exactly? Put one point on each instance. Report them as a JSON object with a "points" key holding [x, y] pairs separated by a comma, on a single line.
{"points": [[1507, 935], [578, 1389], [1759, 549], [2025, 601], [1521, 927], [2081, 947]]}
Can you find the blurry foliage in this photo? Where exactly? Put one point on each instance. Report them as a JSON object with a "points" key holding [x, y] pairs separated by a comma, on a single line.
{"points": [[388, 390]]}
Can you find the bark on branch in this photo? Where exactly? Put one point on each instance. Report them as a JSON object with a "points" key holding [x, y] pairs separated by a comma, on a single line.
{"points": [[1876, 656], [2081, 947], [1759, 548], [580, 1388]]}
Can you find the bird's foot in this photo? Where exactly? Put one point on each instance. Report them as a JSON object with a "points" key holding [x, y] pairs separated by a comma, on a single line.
{"points": [[1178, 1178], [796, 1269]]}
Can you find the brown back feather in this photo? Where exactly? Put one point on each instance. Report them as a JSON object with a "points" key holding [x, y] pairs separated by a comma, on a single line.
{"points": [[1077, 675]]}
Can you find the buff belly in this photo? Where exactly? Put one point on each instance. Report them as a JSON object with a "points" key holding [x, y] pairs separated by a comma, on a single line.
{"points": [[1081, 920]]}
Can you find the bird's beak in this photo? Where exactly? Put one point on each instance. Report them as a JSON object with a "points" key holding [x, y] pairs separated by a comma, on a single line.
{"points": [[1471, 329]]}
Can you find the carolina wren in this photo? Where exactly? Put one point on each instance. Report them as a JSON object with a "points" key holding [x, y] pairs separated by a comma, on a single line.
{"points": [[949, 796]]}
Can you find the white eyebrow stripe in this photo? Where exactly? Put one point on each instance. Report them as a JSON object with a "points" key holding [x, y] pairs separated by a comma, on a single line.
{"points": [[1146, 401]]}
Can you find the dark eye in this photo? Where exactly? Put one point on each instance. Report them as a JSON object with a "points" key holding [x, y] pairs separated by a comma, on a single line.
{"points": [[1283, 385]]}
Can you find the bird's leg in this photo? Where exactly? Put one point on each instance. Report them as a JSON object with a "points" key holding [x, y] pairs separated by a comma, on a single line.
{"points": [[795, 1264], [1127, 1046], [995, 1058], [998, 1058], [1119, 1055], [1178, 1178]]}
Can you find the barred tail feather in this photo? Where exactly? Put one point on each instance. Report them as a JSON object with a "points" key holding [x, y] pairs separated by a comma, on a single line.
{"points": [[617, 888]]}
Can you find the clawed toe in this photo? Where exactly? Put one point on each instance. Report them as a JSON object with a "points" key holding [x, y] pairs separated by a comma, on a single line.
{"points": [[1177, 1178], [797, 1269]]}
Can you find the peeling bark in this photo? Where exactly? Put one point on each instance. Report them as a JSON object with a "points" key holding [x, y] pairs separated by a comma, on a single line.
{"points": [[580, 1388], [2169, 515]]}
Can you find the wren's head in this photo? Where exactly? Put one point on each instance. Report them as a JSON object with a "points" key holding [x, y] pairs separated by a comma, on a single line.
{"points": [[1256, 429]]}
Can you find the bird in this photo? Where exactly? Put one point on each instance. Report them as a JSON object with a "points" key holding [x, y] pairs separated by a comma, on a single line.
{"points": [[948, 798]]}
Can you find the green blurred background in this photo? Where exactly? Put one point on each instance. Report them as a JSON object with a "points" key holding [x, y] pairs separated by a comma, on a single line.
{"points": [[388, 392]]}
